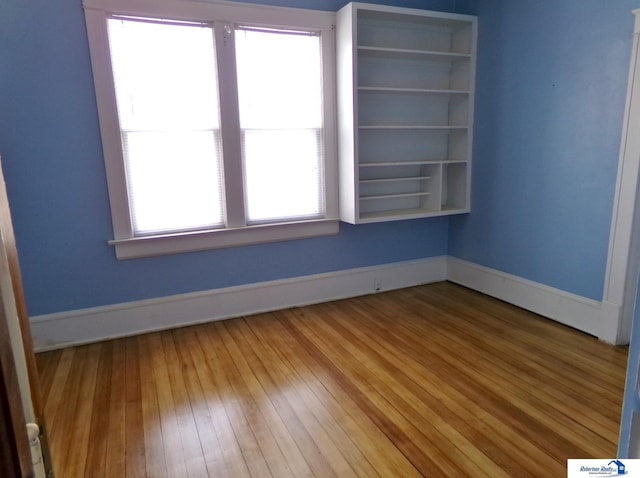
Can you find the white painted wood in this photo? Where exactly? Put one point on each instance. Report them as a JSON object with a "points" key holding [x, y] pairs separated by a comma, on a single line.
{"points": [[624, 244], [564, 307], [96, 21], [231, 237], [230, 125], [624, 254], [406, 94], [610, 315], [330, 115], [347, 74], [210, 10], [64, 329]]}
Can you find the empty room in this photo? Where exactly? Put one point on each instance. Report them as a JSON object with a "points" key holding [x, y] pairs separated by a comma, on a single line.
{"points": [[286, 238]]}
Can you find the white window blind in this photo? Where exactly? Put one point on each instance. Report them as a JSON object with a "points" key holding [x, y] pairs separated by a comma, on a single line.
{"points": [[167, 99], [280, 100]]}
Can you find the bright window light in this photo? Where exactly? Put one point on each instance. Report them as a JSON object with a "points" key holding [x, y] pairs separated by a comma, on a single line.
{"points": [[280, 98], [166, 93]]}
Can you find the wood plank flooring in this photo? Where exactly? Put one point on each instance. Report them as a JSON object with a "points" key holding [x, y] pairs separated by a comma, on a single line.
{"points": [[434, 380]]}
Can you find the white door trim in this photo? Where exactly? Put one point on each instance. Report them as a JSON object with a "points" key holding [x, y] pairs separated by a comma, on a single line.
{"points": [[623, 260]]}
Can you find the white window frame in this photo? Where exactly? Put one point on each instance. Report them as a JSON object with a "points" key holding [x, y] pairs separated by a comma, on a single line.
{"points": [[237, 232]]}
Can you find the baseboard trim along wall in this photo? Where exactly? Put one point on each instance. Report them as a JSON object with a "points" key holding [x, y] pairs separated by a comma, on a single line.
{"points": [[53, 331], [63, 329], [569, 309]]}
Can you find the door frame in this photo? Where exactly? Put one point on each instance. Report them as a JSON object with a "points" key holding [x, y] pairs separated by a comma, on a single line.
{"points": [[21, 400]]}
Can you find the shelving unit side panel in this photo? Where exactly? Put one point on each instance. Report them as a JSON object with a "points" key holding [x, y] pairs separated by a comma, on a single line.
{"points": [[347, 114], [473, 32]]}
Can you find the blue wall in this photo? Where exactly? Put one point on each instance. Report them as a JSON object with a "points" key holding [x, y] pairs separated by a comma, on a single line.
{"points": [[52, 157], [551, 87]]}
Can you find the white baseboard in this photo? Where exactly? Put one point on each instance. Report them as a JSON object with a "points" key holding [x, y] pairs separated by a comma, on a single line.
{"points": [[569, 309], [53, 331], [610, 321]]}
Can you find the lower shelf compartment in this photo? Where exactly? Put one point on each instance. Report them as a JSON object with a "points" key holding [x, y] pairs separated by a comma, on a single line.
{"points": [[433, 189]]}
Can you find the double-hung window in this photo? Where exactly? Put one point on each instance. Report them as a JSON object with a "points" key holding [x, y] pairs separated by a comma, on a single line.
{"points": [[217, 123]]}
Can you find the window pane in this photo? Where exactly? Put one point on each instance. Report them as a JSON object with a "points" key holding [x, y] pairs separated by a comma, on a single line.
{"points": [[166, 93], [282, 177], [170, 185], [280, 97]]}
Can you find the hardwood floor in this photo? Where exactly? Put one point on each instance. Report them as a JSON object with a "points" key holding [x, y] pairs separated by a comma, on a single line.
{"points": [[434, 380]]}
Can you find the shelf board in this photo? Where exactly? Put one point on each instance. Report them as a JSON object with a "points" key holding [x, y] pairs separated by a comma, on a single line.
{"points": [[392, 180], [397, 214], [388, 89], [438, 127], [401, 214], [454, 209], [410, 163], [393, 196], [434, 55]]}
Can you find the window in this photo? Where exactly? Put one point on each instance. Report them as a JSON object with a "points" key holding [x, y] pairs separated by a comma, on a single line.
{"points": [[217, 123], [281, 122], [169, 121]]}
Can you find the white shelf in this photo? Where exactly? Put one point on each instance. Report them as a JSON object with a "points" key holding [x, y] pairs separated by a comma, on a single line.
{"points": [[413, 126], [406, 92], [403, 214], [391, 180], [396, 164], [429, 55], [394, 196], [387, 89]]}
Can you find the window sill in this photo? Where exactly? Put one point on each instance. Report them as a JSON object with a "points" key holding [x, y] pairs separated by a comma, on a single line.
{"points": [[135, 247]]}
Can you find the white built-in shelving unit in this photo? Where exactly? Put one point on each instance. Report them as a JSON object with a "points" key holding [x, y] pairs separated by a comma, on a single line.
{"points": [[405, 102]]}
